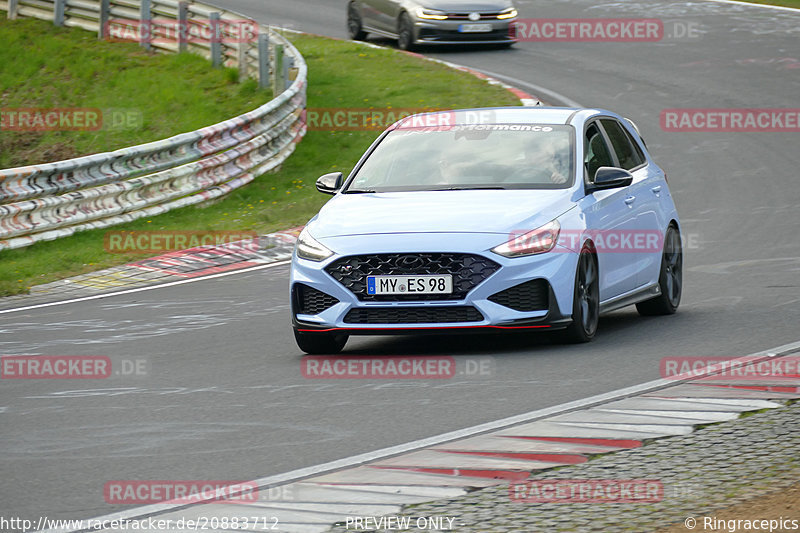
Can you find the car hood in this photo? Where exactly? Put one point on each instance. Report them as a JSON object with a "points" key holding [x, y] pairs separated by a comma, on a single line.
{"points": [[453, 6], [478, 211]]}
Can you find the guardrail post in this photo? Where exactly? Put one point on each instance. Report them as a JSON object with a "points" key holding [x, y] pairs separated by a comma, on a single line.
{"points": [[288, 69], [183, 26], [277, 71], [102, 31], [145, 25], [263, 60], [12, 9], [216, 39], [58, 14], [241, 59]]}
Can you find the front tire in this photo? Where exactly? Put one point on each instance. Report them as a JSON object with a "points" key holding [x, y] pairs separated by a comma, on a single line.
{"points": [[405, 33], [585, 301], [670, 278], [320, 343], [354, 27]]}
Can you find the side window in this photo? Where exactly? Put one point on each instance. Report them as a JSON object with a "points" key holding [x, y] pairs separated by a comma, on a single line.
{"points": [[627, 150], [596, 152]]}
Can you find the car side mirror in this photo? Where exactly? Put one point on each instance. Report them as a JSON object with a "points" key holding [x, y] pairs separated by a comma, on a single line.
{"points": [[330, 183], [610, 178]]}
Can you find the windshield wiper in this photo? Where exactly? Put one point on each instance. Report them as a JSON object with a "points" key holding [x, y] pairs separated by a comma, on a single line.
{"points": [[477, 187], [357, 191]]}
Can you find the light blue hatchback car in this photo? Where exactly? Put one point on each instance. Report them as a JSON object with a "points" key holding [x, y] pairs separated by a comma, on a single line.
{"points": [[489, 219]]}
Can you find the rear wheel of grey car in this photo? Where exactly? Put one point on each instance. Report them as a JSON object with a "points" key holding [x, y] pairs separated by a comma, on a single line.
{"points": [[320, 343], [670, 278], [405, 33], [585, 300], [354, 26]]}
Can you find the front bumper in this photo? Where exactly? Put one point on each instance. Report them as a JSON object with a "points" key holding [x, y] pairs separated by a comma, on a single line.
{"points": [[494, 303]]}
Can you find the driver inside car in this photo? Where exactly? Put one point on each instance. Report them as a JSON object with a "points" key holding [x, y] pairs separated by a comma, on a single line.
{"points": [[540, 165]]}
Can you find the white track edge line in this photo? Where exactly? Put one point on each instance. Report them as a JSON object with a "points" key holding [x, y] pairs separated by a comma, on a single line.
{"points": [[360, 459], [148, 288], [540, 91]]}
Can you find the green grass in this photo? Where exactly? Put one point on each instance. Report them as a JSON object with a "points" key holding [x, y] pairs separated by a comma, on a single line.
{"points": [[44, 66], [785, 3], [341, 74]]}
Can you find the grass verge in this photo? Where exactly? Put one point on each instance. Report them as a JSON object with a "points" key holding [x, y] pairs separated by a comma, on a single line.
{"points": [[341, 75], [160, 95], [785, 3]]}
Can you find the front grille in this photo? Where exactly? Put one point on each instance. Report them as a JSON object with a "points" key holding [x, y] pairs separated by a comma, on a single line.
{"points": [[529, 296], [413, 315], [468, 271], [465, 16], [310, 301]]}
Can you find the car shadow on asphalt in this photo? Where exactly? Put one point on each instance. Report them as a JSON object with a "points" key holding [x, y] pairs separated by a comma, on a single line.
{"points": [[619, 327]]}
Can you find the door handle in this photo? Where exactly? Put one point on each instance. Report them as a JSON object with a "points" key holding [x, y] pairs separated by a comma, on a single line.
{"points": [[656, 189], [630, 199]]}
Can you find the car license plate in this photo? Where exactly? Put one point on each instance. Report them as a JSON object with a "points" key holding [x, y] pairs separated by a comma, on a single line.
{"points": [[475, 28], [428, 284]]}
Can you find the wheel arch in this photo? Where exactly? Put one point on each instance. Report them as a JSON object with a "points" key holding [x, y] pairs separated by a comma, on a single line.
{"points": [[588, 243], [404, 12], [673, 222]]}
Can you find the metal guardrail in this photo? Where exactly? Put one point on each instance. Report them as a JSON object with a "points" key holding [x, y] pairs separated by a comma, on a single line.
{"points": [[52, 200]]}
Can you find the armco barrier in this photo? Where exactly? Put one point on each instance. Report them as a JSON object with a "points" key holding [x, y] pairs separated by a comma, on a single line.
{"points": [[52, 200]]}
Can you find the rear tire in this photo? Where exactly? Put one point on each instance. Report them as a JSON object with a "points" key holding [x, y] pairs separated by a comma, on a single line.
{"points": [[670, 278], [585, 301], [354, 26], [320, 343], [405, 33]]}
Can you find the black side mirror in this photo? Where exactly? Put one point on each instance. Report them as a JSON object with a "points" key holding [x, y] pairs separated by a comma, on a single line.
{"points": [[330, 183], [610, 178]]}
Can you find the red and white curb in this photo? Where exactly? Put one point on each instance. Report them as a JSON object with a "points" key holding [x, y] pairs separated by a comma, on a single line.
{"points": [[525, 98], [498, 453], [173, 268]]}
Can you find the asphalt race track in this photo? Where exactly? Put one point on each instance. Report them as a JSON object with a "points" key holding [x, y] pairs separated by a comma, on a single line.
{"points": [[222, 397]]}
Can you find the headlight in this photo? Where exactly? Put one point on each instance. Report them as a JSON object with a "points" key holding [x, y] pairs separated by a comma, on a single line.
{"points": [[431, 14], [309, 248], [509, 13], [534, 242]]}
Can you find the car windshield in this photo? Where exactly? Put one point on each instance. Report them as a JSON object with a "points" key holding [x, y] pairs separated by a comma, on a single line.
{"points": [[486, 156]]}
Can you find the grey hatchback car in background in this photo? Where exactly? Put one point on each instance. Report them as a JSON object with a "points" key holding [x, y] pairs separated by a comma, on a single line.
{"points": [[414, 22]]}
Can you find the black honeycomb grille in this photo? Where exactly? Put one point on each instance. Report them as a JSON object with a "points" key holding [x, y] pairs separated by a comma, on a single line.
{"points": [[310, 301], [413, 315], [468, 271], [529, 296]]}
